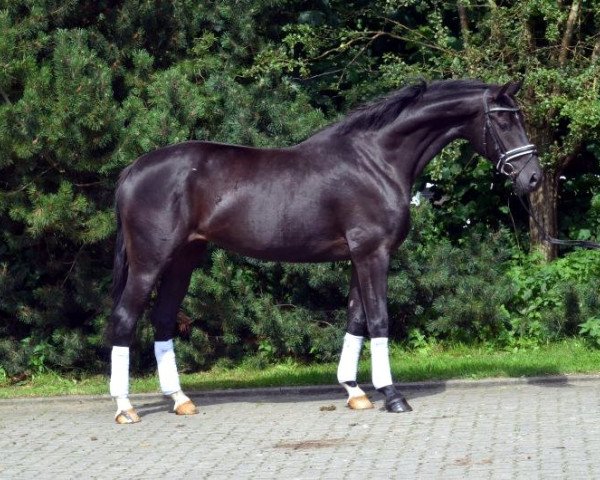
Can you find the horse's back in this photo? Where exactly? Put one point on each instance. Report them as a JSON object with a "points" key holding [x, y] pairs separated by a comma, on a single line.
{"points": [[169, 168], [266, 203]]}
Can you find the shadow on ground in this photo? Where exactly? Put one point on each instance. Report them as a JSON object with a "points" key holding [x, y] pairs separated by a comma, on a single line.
{"points": [[334, 396], [561, 381], [330, 397]]}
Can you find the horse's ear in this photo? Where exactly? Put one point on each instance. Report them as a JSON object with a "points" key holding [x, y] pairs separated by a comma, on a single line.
{"points": [[509, 88]]}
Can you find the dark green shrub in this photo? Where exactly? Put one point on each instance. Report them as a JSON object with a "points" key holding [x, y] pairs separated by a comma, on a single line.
{"points": [[552, 300]]}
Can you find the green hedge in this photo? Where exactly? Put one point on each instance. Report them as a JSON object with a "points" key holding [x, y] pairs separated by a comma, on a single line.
{"points": [[86, 87]]}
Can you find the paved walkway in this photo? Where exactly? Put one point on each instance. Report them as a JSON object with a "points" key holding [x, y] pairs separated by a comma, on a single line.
{"points": [[523, 429]]}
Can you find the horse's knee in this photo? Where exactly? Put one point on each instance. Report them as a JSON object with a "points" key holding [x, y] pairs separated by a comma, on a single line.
{"points": [[130, 306], [357, 321]]}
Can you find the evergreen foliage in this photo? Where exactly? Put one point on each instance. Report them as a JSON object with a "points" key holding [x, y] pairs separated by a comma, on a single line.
{"points": [[86, 87]]}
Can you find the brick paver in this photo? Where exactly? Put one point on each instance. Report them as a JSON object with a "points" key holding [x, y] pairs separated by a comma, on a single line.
{"points": [[501, 430]]}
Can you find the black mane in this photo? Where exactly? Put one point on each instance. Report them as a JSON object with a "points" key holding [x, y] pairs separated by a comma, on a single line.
{"points": [[385, 110]]}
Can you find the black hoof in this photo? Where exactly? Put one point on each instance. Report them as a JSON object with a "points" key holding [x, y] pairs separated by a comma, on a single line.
{"points": [[397, 405], [394, 401]]}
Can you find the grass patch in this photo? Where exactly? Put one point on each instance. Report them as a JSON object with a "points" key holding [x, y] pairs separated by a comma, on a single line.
{"points": [[433, 362]]}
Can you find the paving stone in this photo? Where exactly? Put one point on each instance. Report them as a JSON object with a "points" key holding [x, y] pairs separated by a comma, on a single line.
{"points": [[501, 430]]}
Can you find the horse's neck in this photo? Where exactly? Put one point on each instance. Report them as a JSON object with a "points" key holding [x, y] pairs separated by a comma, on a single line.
{"points": [[414, 140]]}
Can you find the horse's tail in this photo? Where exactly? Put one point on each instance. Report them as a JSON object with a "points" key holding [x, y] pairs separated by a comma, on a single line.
{"points": [[119, 276], [120, 264], [120, 261]]}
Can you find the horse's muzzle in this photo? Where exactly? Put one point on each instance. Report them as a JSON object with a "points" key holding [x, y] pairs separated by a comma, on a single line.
{"points": [[529, 178]]}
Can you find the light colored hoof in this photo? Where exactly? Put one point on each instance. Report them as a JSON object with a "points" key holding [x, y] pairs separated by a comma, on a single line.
{"points": [[125, 417], [186, 408], [360, 403]]}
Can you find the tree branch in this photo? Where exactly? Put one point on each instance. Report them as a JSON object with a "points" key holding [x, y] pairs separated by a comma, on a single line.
{"points": [[529, 36], [89, 184], [596, 50], [340, 48], [24, 186], [370, 36], [5, 96], [358, 55], [72, 266], [568, 35], [411, 40], [312, 77], [464, 23]]}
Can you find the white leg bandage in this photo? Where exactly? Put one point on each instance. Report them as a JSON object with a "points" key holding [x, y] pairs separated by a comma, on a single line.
{"points": [[353, 391], [123, 404], [348, 365], [179, 398], [380, 362], [167, 369], [119, 372]]}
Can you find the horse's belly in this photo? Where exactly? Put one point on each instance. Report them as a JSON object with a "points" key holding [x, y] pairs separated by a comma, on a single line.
{"points": [[292, 229], [274, 249]]}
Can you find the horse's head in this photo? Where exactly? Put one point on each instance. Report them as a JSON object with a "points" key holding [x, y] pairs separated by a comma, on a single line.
{"points": [[504, 140]]}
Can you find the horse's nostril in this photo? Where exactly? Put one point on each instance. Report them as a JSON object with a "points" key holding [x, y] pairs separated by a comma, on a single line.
{"points": [[534, 180]]}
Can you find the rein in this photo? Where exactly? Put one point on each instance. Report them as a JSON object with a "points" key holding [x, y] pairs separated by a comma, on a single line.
{"points": [[553, 240]]}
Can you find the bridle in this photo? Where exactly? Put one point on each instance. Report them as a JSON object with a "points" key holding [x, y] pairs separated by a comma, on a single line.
{"points": [[505, 157], [505, 167]]}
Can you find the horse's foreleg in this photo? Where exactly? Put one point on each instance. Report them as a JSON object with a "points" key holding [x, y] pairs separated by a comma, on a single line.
{"points": [[382, 379], [353, 340], [372, 270], [173, 287]]}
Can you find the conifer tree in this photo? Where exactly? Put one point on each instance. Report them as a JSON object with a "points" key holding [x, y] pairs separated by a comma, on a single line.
{"points": [[87, 87]]}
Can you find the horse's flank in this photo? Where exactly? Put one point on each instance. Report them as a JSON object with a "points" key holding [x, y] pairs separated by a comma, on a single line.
{"points": [[265, 199]]}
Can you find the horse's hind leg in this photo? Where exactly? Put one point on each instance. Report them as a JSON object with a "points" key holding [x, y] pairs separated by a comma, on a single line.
{"points": [[353, 340], [173, 287], [146, 258], [126, 312]]}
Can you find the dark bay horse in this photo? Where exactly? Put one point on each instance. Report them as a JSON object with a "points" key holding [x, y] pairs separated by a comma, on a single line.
{"points": [[342, 194]]}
